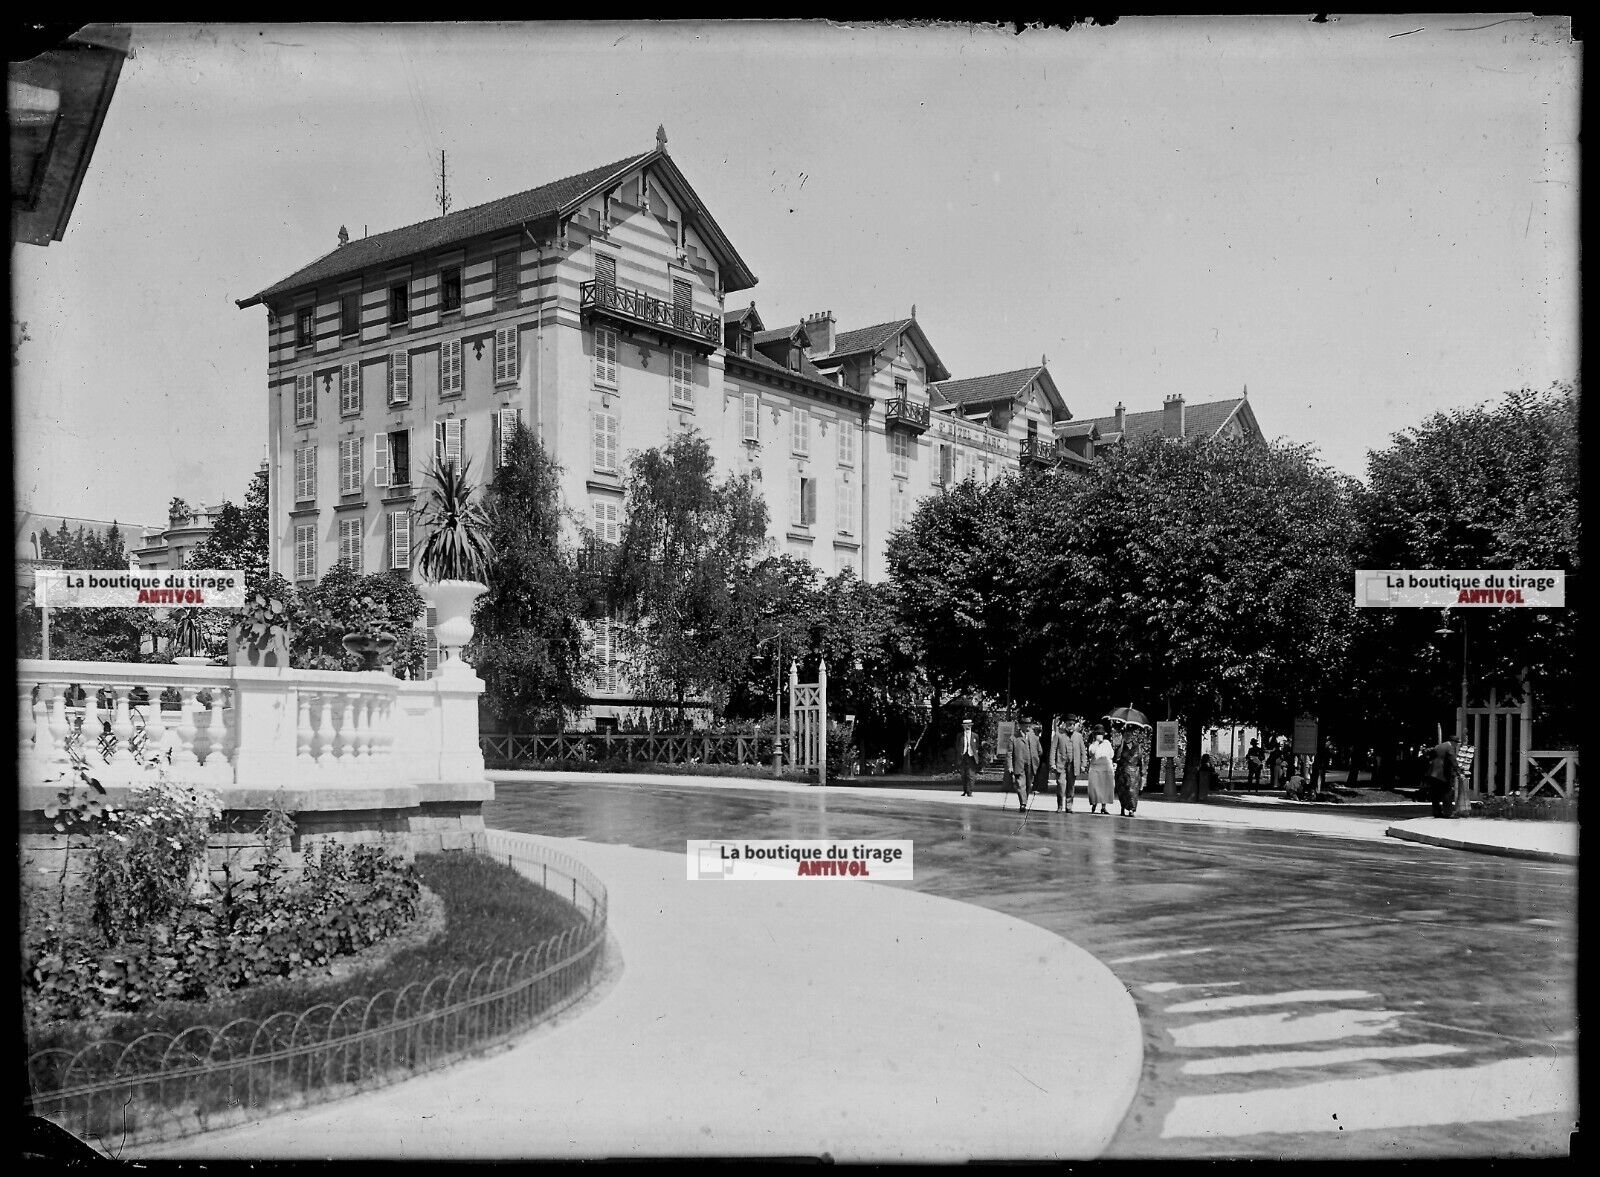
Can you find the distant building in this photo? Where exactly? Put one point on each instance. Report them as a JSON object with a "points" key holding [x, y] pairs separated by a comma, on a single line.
{"points": [[164, 548], [31, 528], [1213, 419]]}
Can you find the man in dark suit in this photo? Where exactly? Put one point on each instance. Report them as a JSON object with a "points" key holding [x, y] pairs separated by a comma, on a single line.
{"points": [[1023, 762], [967, 757]]}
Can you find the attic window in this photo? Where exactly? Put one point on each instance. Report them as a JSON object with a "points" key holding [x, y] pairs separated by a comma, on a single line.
{"points": [[744, 343]]}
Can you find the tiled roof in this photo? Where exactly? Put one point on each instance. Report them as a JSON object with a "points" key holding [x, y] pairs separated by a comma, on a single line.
{"points": [[808, 370], [1203, 420], [1077, 429], [775, 334], [981, 390], [497, 215], [867, 338]]}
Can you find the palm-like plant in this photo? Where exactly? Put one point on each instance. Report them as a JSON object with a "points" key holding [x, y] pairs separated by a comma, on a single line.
{"points": [[457, 547], [187, 632]]}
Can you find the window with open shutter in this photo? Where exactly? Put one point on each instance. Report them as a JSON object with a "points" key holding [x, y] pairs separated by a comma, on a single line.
{"points": [[399, 378], [349, 465], [605, 355], [399, 539], [350, 313], [452, 377], [505, 353], [400, 457], [797, 498], [380, 459], [447, 436], [810, 502], [349, 388], [845, 505], [505, 428], [752, 416], [305, 399], [946, 468], [399, 303]]}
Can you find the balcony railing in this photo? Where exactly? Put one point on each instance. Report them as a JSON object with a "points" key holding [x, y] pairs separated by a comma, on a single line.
{"points": [[635, 306], [909, 413], [1046, 451], [596, 559]]}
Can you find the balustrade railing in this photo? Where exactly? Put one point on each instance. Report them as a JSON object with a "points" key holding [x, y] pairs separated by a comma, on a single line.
{"points": [[644, 308], [1045, 450], [237, 726]]}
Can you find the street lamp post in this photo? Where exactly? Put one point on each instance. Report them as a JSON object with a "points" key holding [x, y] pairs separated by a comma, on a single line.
{"points": [[777, 701]]}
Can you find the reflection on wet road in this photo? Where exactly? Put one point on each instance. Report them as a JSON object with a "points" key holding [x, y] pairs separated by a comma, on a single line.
{"points": [[1301, 996]]}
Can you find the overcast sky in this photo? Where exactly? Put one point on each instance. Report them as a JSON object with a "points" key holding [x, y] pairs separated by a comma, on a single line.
{"points": [[1361, 222]]}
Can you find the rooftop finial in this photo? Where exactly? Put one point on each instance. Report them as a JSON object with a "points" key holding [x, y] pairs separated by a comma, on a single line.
{"points": [[1247, 391], [661, 136], [913, 310], [1044, 360], [344, 235]]}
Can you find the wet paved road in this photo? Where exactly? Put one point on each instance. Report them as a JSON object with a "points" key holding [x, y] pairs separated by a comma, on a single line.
{"points": [[1426, 996]]}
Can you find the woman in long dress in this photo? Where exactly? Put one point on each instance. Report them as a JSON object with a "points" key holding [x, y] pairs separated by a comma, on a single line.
{"points": [[1130, 771], [1101, 781]]}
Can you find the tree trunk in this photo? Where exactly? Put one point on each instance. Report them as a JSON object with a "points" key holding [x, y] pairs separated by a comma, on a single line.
{"points": [[1191, 753]]}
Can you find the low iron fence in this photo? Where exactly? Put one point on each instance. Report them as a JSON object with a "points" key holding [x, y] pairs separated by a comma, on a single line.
{"points": [[163, 1086], [512, 751]]}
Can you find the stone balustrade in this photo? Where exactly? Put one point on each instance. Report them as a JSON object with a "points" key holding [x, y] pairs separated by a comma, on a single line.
{"points": [[343, 751]]}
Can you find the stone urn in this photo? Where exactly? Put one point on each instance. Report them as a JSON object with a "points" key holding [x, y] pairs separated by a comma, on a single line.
{"points": [[374, 650], [452, 601]]}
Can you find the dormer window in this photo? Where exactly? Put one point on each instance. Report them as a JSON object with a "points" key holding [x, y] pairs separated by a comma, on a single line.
{"points": [[745, 347]]}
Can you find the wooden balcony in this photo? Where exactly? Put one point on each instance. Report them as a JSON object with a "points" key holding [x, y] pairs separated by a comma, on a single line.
{"points": [[635, 308], [1042, 451], [908, 413]]}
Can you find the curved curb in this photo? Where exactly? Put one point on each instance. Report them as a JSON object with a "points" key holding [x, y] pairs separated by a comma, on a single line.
{"points": [[1481, 847]]}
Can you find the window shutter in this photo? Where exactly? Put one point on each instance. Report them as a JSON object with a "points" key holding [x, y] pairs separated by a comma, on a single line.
{"points": [[505, 277], [605, 269], [399, 378], [438, 442], [450, 367], [399, 539], [305, 400], [752, 416], [797, 504], [505, 353], [605, 355], [811, 500], [505, 429], [495, 453], [350, 388], [453, 432], [380, 459]]}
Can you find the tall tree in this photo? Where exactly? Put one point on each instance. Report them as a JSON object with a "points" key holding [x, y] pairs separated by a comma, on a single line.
{"points": [[1495, 486], [90, 635], [239, 537], [530, 647], [687, 541]]}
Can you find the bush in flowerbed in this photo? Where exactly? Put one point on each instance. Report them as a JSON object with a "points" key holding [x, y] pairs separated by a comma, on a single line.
{"points": [[156, 933], [1515, 807], [491, 912]]}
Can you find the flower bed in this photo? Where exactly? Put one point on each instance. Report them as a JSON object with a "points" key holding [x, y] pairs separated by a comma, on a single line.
{"points": [[1517, 808]]}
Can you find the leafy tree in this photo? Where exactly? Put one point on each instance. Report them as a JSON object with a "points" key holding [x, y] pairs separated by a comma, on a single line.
{"points": [[1494, 486], [529, 647], [776, 605], [337, 604], [687, 541], [239, 536], [1202, 580], [91, 635]]}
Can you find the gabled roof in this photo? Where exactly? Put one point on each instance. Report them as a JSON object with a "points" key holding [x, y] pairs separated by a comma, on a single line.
{"points": [[749, 316], [976, 392], [548, 201], [808, 372], [880, 335], [1202, 420], [1079, 429], [791, 334]]}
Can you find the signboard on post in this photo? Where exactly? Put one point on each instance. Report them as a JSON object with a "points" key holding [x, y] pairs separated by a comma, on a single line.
{"points": [[1305, 736], [1003, 732], [1167, 738]]}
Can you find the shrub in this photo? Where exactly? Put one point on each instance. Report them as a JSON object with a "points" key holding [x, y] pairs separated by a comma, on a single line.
{"points": [[1515, 807]]}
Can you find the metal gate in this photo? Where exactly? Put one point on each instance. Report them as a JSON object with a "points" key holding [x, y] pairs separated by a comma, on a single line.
{"points": [[808, 720]]}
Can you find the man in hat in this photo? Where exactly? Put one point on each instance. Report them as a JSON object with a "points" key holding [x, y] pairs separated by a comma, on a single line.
{"points": [[1066, 760], [1022, 763], [967, 757]]}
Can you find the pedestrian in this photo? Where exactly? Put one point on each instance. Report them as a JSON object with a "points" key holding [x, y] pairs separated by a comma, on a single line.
{"points": [[1440, 779], [1294, 785], [1205, 779], [1130, 771], [1252, 764], [967, 757], [1101, 781], [1023, 761], [1061, 765], [1073, 760]]}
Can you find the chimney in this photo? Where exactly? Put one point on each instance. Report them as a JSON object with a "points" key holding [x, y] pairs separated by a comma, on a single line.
{"points": [[1120, 423], [820, 328], [1172, 416]]}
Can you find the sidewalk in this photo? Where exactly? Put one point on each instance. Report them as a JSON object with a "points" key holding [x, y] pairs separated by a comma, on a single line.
{"points": [[1538, 840], [860, 1022]]}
